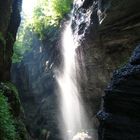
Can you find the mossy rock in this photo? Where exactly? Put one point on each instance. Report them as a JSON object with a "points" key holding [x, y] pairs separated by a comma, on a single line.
{"points": [[11, 93], [13, 113], [7, 128], [21, 130]]}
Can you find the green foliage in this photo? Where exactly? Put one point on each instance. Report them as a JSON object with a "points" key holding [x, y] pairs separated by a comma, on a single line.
{"points": [[20, 128], [48, 14], [61, 7], [15, 105], [12, 87], [44, 24], [10, 113], [7, 129], [18, 52], [23, 42]]}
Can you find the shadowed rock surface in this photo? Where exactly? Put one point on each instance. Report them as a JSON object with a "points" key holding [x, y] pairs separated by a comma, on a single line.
{"points": [[9, 23], [119, 117], [35, 79], [108, 30]]}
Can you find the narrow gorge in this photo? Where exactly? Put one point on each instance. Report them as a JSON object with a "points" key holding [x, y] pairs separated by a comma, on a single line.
{"points": [[69, 69]]}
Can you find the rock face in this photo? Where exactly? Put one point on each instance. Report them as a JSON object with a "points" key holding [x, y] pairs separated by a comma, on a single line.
{"points": [[119, 117], [10, 93], [110, 31], [35, 79], [9, 23]]}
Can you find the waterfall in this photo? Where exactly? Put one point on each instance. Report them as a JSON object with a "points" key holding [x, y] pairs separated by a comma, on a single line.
{"points": [[74, 122]]}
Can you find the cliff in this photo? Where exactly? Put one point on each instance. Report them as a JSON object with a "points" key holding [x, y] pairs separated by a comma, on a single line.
{"points": [[9, 23], [35, 79], [108, 31], [119, 118], [11, 113]]}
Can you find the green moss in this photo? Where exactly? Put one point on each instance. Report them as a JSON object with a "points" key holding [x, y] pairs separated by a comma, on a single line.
{"points": [[12, 87], [14, 113], [7, 128], [48, 14], [21, 130], [13, 95]]}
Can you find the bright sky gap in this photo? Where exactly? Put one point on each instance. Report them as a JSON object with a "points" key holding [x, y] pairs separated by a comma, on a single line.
{"points": [[28, 7]]}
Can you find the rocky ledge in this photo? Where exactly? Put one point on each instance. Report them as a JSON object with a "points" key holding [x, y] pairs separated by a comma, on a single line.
{"points": [[120, 117]]}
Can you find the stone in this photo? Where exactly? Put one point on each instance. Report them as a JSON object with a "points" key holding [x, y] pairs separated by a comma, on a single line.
{"points": [[108, 39], [135, 58], [108, 31], [122, 103], [9, 23], [16, 111], [35, 79]]}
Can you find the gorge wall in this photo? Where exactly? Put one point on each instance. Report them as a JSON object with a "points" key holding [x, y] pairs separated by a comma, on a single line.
{"points": [[108, 31], [11, 112], [119, 118], [111, 32], [108, 46], [9, 23], [35, 79]]}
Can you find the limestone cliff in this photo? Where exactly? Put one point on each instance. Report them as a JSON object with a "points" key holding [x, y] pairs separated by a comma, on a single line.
{"points": [[110, 30], [110, 38], [9, 22], [119, 118], [35, 79], [11, 113]]}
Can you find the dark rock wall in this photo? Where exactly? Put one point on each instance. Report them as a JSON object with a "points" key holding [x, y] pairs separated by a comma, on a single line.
{"points": [[110, 30], [35, 79], [9, 23], [119, 118]]}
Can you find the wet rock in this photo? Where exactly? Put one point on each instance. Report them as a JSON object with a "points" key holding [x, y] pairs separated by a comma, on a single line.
{"points": [[9, 23], [9, 91], [135, 58], [108, 30], [122, 103], [110, 33], [35, 79]]}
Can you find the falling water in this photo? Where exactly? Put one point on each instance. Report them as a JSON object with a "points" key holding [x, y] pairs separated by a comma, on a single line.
{"points": [[73, 116]]}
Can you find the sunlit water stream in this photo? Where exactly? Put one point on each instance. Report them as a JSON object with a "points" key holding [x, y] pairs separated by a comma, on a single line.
{"points": [[74, 122]]}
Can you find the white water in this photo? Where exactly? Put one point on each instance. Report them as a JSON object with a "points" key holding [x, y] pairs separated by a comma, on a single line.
{"points": [[74, 122]]}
